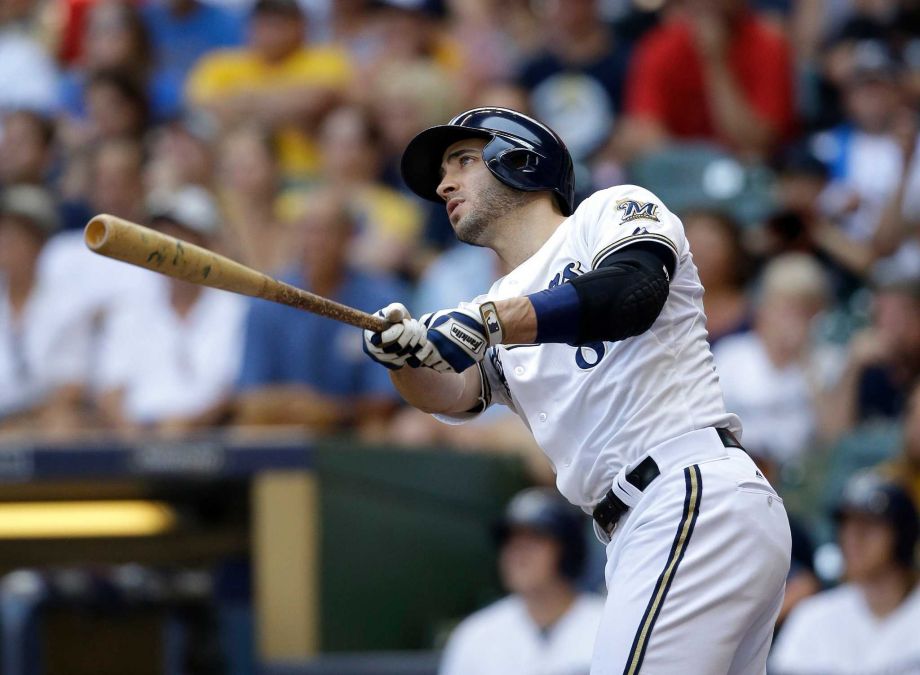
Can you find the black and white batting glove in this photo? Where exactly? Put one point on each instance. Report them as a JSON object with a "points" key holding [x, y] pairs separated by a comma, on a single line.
{"points": [[393, 347], [458, 338]]}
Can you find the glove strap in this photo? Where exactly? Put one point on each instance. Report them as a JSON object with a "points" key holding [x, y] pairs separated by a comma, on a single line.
{"points": [[495, 332]]}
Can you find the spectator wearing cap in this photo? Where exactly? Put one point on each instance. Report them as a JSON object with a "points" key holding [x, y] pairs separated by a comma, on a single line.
{"points": [[874, 194], [772, 376], [306, 370], [275, 80], [170, 363], [44, 355], [545, 625], [734, 85], [869, 623]]}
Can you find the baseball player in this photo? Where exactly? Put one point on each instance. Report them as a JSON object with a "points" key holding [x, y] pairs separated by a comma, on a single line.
{"points": [[597, 340], [545, 626]]}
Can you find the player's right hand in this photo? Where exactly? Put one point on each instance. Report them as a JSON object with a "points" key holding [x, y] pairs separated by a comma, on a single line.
{"points": [[399, 343]]}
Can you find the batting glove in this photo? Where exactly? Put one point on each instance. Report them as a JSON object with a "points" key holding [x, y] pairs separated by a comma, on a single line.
{"points": [[458, 338], [393, 347]]}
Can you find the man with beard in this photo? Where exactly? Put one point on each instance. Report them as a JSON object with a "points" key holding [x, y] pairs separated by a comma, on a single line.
{"points": [[597, 340]]}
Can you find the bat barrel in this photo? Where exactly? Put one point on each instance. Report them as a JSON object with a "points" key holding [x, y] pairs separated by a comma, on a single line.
{"points": [[96, 233], [129, 242]]}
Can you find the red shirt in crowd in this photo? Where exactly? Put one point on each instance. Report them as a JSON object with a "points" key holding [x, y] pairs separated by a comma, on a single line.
{"points": [[666, 82]]}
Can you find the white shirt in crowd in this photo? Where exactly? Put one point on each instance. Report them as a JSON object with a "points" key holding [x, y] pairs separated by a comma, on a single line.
{"points": [[172, 366], [835, 633], [28, 75], [92, 284], [872, 166], [776, 403], [45, 348], [502, 639]]}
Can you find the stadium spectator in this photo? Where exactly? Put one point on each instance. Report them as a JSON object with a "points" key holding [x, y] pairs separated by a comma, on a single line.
{"points": [[805, 219], [117, 179], [411, 31], [389, 223], [44, 356], [883, 363], [734, 85], [303, 369], [177, 372], [724, 267], [26, 148], [771, 377], [181, 32], [28, 74], [576, 80], [545, 625], [116, 106], [114, 184], [868, 624], [249, 186], [868, 164], [405, 99], [275, 80], [182, 153], [114, 38]]}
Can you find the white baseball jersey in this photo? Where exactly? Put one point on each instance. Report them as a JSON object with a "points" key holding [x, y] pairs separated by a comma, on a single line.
{"points": [[835, 633], [595, 408], [502, 639]]}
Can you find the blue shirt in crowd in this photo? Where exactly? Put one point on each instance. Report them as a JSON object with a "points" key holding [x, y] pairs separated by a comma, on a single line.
{"points": [[289, 346]]}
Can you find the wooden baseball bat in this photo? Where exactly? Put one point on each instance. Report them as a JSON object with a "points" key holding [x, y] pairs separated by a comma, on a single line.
{"points": [[132, 243]]}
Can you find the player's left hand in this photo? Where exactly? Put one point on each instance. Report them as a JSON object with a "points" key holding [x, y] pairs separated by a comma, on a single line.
{"points": [[457, 339], [394, 347]]}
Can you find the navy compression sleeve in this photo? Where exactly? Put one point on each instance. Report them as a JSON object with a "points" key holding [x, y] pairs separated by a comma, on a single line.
{"points": [[619, 299]]}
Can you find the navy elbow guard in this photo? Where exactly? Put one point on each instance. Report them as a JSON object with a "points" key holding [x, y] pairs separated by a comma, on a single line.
{"points": [[620, 299]]}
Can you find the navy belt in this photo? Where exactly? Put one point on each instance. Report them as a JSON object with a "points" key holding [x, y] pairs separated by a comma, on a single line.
{"points": [[611, 508]]}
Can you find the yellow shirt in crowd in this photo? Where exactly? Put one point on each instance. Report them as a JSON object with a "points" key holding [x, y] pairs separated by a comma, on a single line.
{"points": [[232, 72]]}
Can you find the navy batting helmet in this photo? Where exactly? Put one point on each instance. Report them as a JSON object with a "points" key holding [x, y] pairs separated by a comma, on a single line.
{"points": [[868, 493], [521, 152], [543, 510]]}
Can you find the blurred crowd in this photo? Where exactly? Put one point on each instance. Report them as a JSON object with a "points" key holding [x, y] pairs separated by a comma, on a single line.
{"points": [[784, 133]]}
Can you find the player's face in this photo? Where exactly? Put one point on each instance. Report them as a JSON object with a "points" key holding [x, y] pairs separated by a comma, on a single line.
{"points": [[867, 544], [529, 561], [474, 197]]}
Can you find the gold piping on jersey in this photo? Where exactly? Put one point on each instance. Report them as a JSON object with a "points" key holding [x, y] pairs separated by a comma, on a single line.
{"points": [[692, 500], [632, 239]]}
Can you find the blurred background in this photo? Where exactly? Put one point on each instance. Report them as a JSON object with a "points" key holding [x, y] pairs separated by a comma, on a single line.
{"points": [[197, 482]]}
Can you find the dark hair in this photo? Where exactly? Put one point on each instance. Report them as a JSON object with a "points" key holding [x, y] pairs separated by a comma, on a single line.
{"points": [[726, 224], [134, 23], [128, 86], [44, 125]]}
